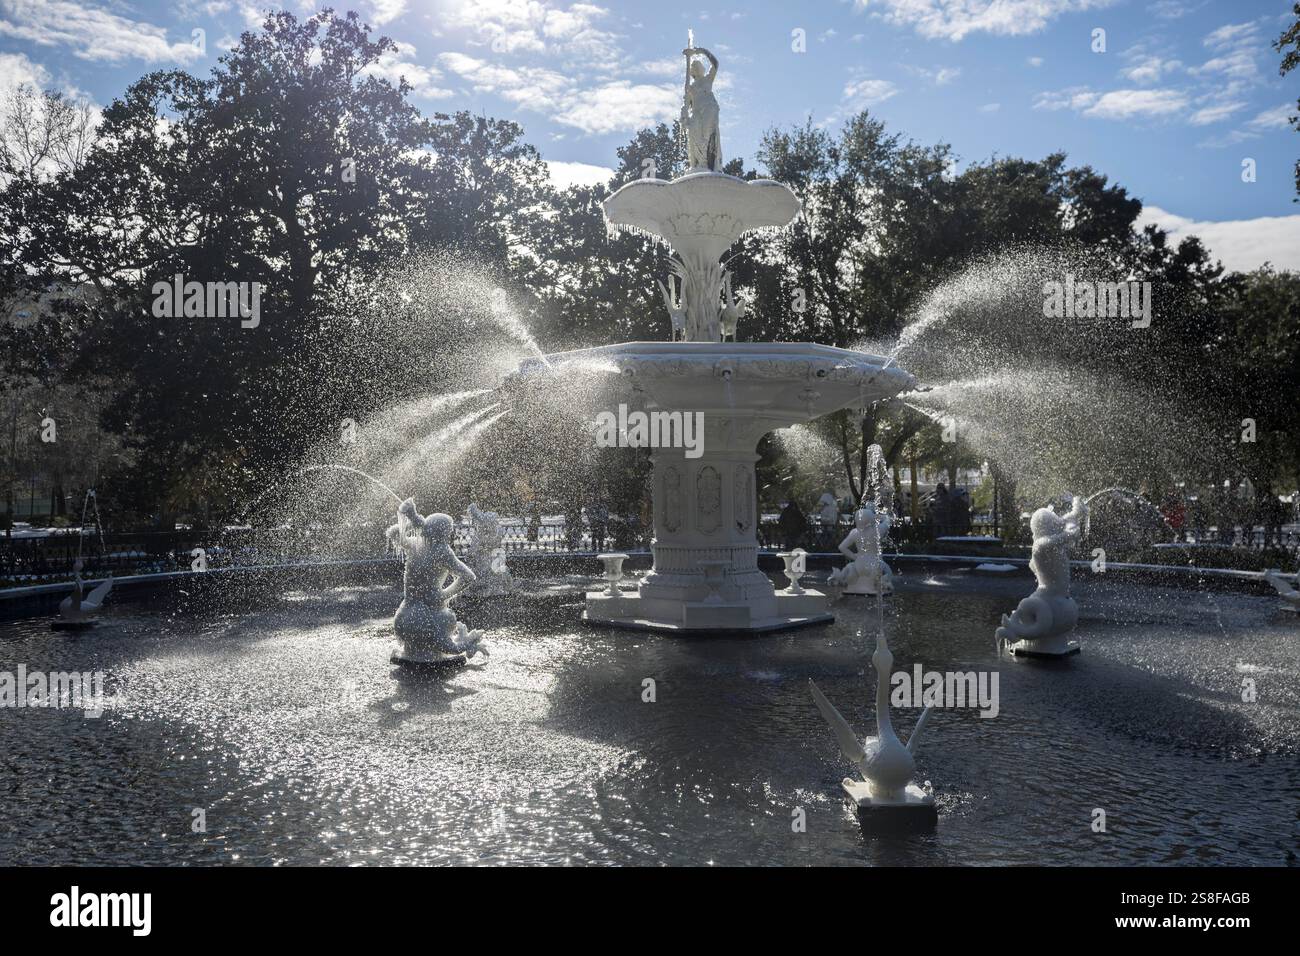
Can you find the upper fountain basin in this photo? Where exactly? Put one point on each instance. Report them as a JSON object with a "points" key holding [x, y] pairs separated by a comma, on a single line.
{"points": [[786, 383], [700, 213]]}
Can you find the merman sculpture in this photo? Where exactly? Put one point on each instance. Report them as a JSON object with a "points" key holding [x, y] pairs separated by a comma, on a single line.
{"points": [[428, 629], [486, 557], [866, 572], [885, 762], [1041, 624], [77, 611], [1289, 595]]}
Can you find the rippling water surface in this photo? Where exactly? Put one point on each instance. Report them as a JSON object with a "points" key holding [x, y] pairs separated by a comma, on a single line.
{"points": [[284, 722]]}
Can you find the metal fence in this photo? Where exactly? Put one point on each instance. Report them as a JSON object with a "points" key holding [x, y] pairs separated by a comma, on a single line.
{"points": [[33, 559]]}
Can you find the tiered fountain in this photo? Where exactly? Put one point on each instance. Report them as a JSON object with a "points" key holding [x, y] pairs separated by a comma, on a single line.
{"points": [[706, 574]]}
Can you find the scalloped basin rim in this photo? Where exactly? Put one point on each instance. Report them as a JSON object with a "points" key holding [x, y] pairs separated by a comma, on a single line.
{"points": [[752, 203], [733, 350]]}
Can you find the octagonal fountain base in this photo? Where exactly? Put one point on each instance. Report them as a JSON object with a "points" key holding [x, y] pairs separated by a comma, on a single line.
{"points": [[630, 610], [704, 493]]}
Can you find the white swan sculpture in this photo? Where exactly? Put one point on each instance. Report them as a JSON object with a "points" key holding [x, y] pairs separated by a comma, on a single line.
{"points": [[78, 609], [885, 762], [1290, 595]]}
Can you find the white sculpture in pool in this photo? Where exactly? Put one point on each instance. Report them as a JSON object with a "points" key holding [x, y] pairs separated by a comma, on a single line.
{"points": [[885, 762], [486, 555], [77, 611], [866, 572], [426, 626], [1290, 595], [705, 575], [1041, 624]]}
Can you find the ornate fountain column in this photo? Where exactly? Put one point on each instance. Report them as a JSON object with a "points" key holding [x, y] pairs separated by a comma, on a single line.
{"points": [[706, 511]]}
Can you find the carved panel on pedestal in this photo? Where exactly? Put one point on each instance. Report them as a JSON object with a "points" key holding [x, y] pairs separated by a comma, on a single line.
{"points": [[672, 499], [708, 498], [742, 499]]}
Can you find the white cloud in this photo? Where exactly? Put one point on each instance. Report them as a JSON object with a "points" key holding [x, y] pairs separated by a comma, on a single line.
{"points": [[16, 69], [990, 107], [1216, 112], [1241, 244], [1173, 9], [91, 32], [1116, 104], [939, 76], [603, 108], [1035, 61], [1231, 34], [1149, 69], [1123, 104], [385, 11], [564, 175], [536, 26], [862, 93], [621, 106], [1279, 117], [1236, 48], [955, 19], [400, 64]]}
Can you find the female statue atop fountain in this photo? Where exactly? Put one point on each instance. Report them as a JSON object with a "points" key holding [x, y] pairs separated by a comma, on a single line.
{"points": [[700, 113]]}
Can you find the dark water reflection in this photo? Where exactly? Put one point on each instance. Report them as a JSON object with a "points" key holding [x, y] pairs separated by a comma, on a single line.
{"points": [[286, 725]]}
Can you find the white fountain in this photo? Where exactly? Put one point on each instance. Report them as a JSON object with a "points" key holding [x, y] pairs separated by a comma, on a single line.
{"points": [[705, 574], [429, 632], [1041, 624], [486, 555]]}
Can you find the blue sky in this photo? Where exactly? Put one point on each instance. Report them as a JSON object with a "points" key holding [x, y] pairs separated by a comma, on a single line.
{"points": [[1184, 92]]}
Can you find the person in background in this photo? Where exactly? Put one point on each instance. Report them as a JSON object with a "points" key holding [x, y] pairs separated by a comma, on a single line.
{"points": [[793, 525], [961, 512], [941, 511]]}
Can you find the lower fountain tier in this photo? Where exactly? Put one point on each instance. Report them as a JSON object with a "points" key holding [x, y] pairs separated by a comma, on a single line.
{"points": [[705, 504], [777, 610]]}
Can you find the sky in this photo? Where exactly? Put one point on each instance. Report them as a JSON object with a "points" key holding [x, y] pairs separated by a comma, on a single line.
{"points": [[1169, 100]]}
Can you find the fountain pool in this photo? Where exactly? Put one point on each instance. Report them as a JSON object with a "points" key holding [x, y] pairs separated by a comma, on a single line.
{"points": [[285, 724]]}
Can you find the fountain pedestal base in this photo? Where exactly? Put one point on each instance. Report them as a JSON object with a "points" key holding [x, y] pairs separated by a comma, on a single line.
{"points": [[431, 661], [631, 610], [1053, 648]]}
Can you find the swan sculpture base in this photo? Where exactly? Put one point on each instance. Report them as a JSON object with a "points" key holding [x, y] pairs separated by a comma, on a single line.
{"points": [[912, 808], [59, 625]]}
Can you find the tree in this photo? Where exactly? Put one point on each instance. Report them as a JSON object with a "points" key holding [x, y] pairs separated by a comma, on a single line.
{"points": [[293, 167], [1288, 44]]}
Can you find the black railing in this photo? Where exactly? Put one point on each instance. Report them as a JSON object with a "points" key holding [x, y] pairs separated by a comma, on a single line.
{"points": [[35, 559]]}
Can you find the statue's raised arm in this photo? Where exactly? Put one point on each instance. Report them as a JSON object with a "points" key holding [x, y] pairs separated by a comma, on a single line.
{"points": [[713, 62]]}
